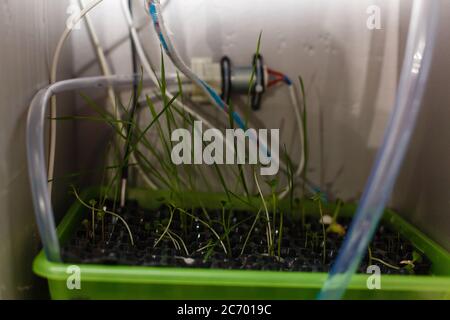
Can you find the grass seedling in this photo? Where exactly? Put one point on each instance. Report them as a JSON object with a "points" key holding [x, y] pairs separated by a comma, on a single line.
{"points": [[290, 177], [226, 224], [101, 218], [141, 139], [280, 235], [87, 228], [372, 258], [250, 231], [304, 113], [307, 229], [334, 226], [166, 229], [205, 224], [240, 167], [408, 265], [270, 246], [173, 234], [115, 215], [411, 264], [318, 199], [273, 184], [93, 203], [251, 83]]}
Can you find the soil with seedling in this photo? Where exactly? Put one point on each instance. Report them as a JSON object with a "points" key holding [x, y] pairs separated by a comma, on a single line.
{"points": [[301, 247]]}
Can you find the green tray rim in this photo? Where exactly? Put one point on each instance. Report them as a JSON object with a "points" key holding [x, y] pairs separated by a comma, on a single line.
{"points": [[439, 281]]}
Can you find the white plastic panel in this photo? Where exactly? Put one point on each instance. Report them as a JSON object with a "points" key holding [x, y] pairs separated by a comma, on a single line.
{"points": [[29, 30]]}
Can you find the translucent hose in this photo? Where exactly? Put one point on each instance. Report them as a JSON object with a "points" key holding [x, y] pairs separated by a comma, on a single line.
{"points": [[37, 116], [416, 67]]}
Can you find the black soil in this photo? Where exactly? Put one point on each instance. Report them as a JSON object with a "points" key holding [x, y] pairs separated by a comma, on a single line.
{"points": [[301, 245]]}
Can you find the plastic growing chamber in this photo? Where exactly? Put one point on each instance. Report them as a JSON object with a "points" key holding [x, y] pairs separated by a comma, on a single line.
{"points": [[173, 241]]}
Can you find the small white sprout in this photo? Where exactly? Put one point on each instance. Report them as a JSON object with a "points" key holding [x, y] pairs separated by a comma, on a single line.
{"points": [[326, 219], [188, 261]]}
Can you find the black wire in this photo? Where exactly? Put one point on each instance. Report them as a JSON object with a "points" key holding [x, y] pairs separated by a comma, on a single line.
{"points": [[129, 129]]}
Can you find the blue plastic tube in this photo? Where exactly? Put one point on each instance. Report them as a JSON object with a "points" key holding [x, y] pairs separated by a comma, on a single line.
{"points": [[413, 80]]}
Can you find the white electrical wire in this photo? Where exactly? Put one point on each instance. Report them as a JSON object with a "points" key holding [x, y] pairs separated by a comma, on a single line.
{"points": [[298, 118], [54, 70], [104, 66]]}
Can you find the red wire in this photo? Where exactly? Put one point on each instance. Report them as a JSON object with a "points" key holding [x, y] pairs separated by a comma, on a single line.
{"points": [[274, 82], [275, 73], [279, 77]]}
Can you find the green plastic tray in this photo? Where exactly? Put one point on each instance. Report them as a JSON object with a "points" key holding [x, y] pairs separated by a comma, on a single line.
{"points": [[133, 282]]}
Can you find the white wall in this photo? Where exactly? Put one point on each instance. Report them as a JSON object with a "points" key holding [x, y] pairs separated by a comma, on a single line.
{"points": [[423, 190], [351, 75], [28, 32]]}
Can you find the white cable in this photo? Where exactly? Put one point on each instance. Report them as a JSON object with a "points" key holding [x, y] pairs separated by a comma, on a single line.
{"points": [[298, 118], [53, 74], [104, 66]]}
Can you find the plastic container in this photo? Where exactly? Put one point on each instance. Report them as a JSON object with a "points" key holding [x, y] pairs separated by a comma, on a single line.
{"points": [[126, 282], [134, 282]]}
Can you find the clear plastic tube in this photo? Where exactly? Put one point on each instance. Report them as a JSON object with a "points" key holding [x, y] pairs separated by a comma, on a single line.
{"points": [[37, 116], [416, 67]]}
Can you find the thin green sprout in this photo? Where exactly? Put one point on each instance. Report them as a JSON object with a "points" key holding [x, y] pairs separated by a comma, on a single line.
{"points": [[106, 211], [269, 228]]}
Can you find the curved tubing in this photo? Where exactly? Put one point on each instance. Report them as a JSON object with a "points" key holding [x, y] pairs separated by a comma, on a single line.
{"points": [[37, 116], [413, 80], [54, 70]]}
